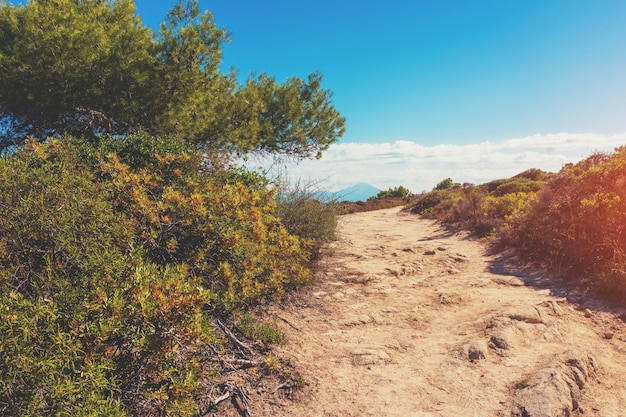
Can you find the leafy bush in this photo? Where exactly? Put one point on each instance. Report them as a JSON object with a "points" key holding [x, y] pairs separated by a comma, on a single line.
{"points": [[108, 320], [518, 185], [534, 174], [397, 192], [577, 223], [435, 204], [506, 206], [113, 260], [482, 209], [529, 181], [267, 333], [574, 221], [347, 207], [444, 184]]}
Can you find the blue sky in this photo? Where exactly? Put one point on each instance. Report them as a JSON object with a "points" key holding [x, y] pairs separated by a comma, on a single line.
{"points": [[413, 77]]}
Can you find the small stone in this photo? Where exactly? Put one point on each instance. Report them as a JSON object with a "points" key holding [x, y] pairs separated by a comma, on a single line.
{"points": [[500, 341], [477, 350], [608, 335], [429, 252]]}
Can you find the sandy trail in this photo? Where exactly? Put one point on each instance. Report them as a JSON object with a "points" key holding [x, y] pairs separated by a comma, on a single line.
{"points": [[409, 320]]}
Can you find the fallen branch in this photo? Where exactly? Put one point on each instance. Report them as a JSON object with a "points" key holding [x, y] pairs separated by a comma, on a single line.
{"points": [[233, 338], [245, 363], [218, 400], [232, 391], [282, 386]]}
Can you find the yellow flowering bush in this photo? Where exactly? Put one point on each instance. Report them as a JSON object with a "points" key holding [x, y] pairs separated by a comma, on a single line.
{"points": [[114, 257]]}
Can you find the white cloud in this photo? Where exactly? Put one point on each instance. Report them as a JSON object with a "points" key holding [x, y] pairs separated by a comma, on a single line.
{"points": [[420, 167]]}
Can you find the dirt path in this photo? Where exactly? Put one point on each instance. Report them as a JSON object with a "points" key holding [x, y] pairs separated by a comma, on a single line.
{"points": [[408, 320]]}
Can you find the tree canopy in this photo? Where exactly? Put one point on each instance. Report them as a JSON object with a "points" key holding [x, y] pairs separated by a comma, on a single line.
{"points": [[91, 67]]}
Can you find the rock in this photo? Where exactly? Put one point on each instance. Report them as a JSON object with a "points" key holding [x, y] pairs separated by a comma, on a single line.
{"points": [[510, 280], [477, 350], [527, 314], [351, 291], [362, 357], [446, 299], [555, 390], [356, 320], [451, 369], [501, 340], [429, 252], [552, 307]]}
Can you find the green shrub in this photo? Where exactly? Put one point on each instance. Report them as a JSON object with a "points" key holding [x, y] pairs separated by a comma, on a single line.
{"points": [[112, 324], [444, 184], [577, 223], [518, 185], [507, 206], [397, 192], [111, 271], [534, 174], [44, 366], [347, 207], [268, 333], [436, 204]]}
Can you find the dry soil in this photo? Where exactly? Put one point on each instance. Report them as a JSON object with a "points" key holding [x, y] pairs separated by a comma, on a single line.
{"points": [[408, 319]]}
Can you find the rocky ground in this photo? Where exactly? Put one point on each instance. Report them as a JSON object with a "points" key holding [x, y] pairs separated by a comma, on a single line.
{"points": [[406, 319]]}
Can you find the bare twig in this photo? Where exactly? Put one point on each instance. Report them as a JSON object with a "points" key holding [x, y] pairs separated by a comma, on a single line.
{"points": [[221, 398], [285, 320], [245, 363], [233, 338], [282, 386], [231, 390]]}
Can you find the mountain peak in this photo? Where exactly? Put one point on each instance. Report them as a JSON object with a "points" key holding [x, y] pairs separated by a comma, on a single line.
{"points": [[358, 192]]}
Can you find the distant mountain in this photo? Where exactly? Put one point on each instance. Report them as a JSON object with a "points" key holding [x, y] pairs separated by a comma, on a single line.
{"points": [[356, 192]]}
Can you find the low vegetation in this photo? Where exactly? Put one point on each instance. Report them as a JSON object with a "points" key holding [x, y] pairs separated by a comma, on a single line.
{"points": [[348, 207], [116, 262], [573, 222], [576, 225], [308, 213], [397, 192], [482, 209], [130, 248], [393, 197]]}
